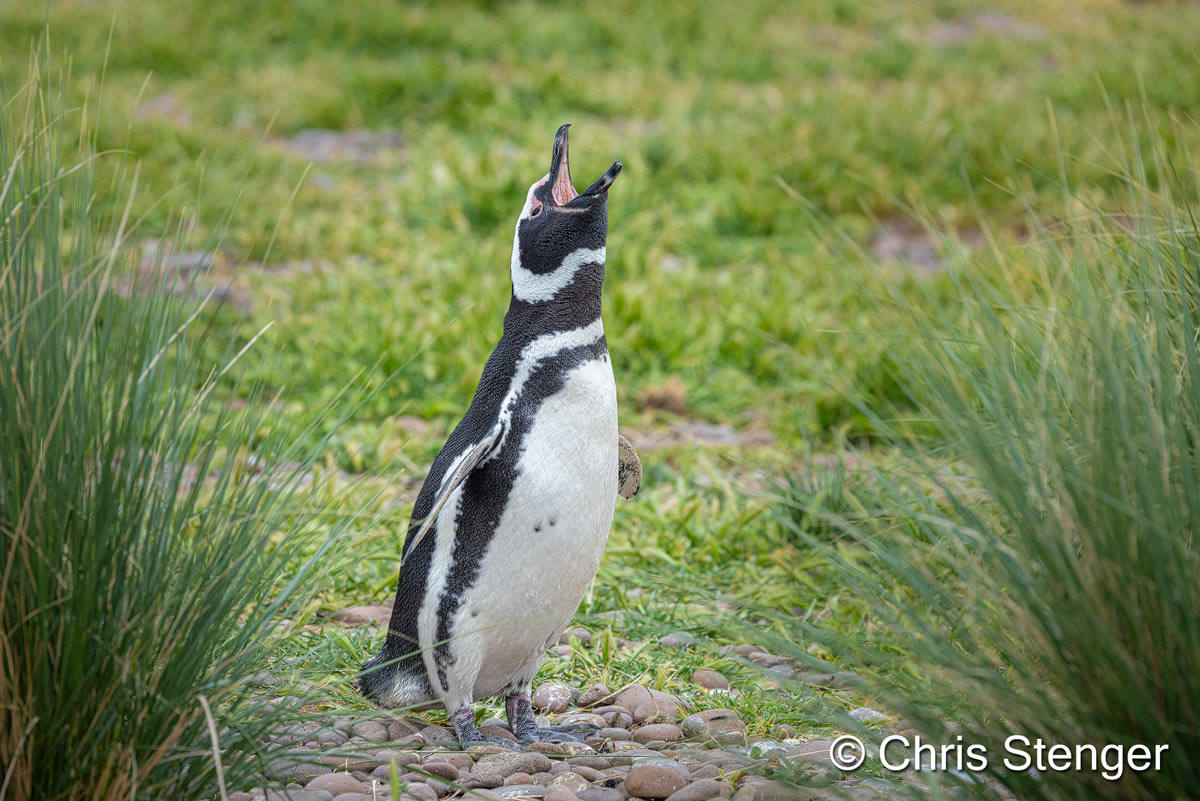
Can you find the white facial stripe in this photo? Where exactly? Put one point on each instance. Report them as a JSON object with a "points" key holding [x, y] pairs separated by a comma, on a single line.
{"points": [[533, 287]]}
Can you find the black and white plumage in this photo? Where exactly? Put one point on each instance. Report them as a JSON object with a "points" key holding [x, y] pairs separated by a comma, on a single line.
{"points": [[510, 524]]}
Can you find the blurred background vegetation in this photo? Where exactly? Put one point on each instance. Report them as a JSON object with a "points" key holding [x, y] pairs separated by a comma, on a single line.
{"points": [[814, 192]]}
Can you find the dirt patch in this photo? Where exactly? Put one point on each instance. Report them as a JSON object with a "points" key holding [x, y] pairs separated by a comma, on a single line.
{"points": [[356, 146], [948, 32]]}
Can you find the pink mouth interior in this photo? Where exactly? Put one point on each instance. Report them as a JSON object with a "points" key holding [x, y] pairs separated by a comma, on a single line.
{"points": [[563, 191]]}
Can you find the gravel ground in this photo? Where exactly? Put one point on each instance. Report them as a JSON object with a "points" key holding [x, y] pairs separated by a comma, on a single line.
{"points": [[639, 743]]}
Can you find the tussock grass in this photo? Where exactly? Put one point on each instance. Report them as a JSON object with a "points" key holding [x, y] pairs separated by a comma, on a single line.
{"points": [[1051, 590], [153, 544]]}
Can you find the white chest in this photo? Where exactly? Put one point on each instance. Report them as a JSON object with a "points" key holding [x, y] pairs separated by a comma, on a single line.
{"points": [[554, 528]]}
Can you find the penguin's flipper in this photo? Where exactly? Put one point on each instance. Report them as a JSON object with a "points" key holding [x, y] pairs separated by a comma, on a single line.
{"points": [[629, 469], [469, 462]]}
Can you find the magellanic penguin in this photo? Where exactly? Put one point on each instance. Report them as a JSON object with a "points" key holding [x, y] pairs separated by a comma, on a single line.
{"points": [[510, 524]]}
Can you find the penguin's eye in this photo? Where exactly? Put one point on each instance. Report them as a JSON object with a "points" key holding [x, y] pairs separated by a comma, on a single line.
{"points": [[536, 211]]}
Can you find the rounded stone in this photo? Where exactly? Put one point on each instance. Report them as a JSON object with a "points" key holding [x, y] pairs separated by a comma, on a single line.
{"points": [[421, 791], [594, 694], [443, 770], [512, 762], [571, 780], [337, 783], [649, 780], [558, 792], [551, 697], [666, 732], [700, 790], [519, 778], [710, 680], [722, 725], [677, 639]]}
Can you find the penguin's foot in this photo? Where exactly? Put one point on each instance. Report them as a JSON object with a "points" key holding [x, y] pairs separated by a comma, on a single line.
{"points": [[526, 730], [468, 733]]}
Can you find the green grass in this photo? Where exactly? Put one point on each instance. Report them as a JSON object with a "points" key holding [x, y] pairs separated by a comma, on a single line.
{"points": [[1046, 587], [149, 565], [763, 152]]}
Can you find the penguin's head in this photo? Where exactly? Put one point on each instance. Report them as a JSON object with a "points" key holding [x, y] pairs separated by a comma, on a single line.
{"points": [[558, 225]]}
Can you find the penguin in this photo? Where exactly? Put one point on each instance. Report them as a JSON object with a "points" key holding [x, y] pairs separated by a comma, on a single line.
{"points": [[509, 527]]}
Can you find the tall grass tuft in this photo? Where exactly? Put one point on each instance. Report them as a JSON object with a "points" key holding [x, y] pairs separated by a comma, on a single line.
{"points": [[152, 540], [1048, 586]]}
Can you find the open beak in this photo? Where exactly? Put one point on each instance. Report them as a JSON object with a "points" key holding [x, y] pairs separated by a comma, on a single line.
{"points": [[561, 188]]}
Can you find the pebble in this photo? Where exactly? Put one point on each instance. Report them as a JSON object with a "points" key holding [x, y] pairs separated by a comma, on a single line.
{"points": [[557, 792], [520, 777], [666, 732], [578, 632], [611, 733], [520, 791], [677, 639], [601, 794], [710, 680], [701, 790], [279, 794], [337, 783], [571, 780], [722, 725], [421, 791], [594, 695], [441, 769], [551, 697], [521, 761], [745, 649], [496, 731], [652, 780], [864, 714]]}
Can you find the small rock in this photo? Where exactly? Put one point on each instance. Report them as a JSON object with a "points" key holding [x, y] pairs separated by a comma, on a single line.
{"points": [[677, 639], [722, 725], [745, 649], [519, 778], [613, 733], [337, 783], [546, 748], [279, 794], [373, 730], [521, 791], [812, 751], [666, 732], [864, 714], [496, 731], [363, 616], [701, 790], [552, 697], [512, 762], [783, 731], [649, 780], [595, 694], [443, 770], [421, 791], [562, 651], [437, 734], [601, 794], [710, 680], [579, 633], [558, 792], [571, 780]]}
